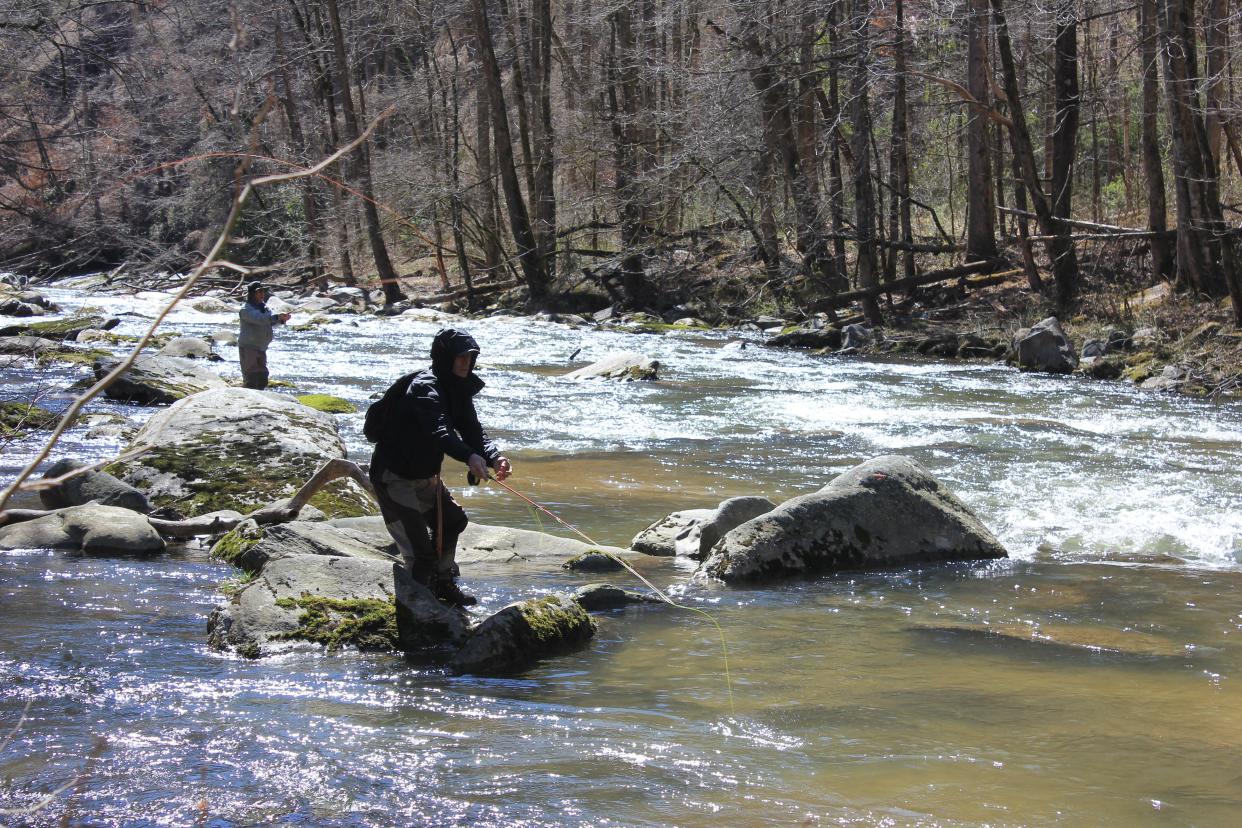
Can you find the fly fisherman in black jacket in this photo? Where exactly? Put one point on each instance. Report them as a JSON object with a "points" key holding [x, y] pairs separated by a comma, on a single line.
{"points": [[432, 416]]}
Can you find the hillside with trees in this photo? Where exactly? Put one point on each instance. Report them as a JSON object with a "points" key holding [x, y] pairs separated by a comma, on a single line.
{"points": [[785, 154]]}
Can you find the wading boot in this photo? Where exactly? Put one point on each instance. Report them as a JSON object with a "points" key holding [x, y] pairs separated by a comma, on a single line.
{"points": [[446, 590]]}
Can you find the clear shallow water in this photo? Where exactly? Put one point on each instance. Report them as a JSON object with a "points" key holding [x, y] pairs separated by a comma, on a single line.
{"points": [[855, 700]]}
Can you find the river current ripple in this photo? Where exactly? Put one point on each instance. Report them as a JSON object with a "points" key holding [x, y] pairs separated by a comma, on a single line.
{"points": [[862, 699]]}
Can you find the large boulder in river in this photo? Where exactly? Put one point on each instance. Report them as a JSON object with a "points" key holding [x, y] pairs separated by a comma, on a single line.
{"points": [[90, 528], [1045, 347], [621, 366], [518, 636], [886, 512], [97, 486], [234, 448], [157, 380]]}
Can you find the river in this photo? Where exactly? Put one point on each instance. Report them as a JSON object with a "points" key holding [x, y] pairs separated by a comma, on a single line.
{"points": [[858, 699]]}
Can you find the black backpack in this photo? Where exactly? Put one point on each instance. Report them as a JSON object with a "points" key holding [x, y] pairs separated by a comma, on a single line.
{"points": [[375, 426]]}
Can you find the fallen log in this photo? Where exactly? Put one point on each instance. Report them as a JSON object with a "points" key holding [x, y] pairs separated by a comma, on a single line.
{"points": [[216, 524], [929, 278], [478, 289]]}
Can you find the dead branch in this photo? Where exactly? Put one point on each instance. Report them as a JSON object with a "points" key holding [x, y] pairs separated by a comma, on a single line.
{"points": [[209, 262], [218, 523]]}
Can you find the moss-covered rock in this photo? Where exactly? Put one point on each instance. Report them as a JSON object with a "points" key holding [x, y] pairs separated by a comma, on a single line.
{"points": [[15, 416], [320, 599], [236, 449], [593, 560], [327, 403], [365, 623], [521, 634], [233, 545], [66, 328]]}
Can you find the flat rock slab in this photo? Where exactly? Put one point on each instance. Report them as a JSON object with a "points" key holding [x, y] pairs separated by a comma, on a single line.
{"points": [[158, 380], [252, 547], [884, 513], [499, 544], [91, 528]]}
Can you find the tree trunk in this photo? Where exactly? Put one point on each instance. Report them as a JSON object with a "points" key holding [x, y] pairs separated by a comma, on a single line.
{"points": [[864, 191], [899, 159], [362, 163], [1153, 168], [1059, 246], [533, 269], [1205, 250], [981, 206]]}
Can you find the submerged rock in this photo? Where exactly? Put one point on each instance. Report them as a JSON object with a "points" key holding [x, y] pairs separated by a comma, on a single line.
{"points": [[89, 528], [157, 380], [596, 597], [521, 634], [887, 512], [1089, 637], [233, 448]]}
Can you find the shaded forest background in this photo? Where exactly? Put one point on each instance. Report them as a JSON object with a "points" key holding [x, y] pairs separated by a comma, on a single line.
{"points": [[760, 152]]}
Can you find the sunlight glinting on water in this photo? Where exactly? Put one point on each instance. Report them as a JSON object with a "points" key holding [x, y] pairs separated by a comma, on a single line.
{"points": [[884, 698]]}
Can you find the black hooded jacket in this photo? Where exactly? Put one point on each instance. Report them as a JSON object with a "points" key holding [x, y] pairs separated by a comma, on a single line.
{"points": [[436, 415]]}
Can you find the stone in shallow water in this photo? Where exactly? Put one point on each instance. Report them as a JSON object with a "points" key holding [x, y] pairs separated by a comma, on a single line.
{"points": [[1088, 637], [514, 639], [90, 528], [885, 513]]}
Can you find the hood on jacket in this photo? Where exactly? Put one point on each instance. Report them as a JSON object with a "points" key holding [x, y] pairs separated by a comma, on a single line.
{"points": [[449, 344]]}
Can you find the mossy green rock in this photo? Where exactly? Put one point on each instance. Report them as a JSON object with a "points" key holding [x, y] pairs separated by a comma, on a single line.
{"points": [[157, 380], [66, 328], [593, 560], [517, 637], [233, 448], [15, 416], [336, 602], [327, 403]]}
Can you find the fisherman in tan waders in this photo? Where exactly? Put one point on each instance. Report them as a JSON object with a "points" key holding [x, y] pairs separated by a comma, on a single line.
{"points": [[422, 417]]}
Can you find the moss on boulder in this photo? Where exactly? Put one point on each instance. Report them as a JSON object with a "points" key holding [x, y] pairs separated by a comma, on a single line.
{"points": [[15, 416], [366, 623], [515, 638], [327, 403], [237, 449]]}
